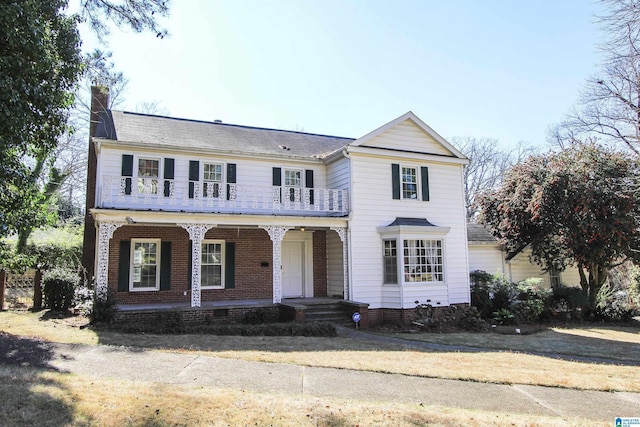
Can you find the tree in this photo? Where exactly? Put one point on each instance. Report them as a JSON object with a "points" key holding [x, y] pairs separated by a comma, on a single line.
{"points": [[40, 66], [489, 162], [575, 207], [609, 106]]}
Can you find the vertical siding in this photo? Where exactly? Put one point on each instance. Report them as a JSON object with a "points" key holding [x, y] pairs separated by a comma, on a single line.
{"points": [[372, 206], [335, 265]]}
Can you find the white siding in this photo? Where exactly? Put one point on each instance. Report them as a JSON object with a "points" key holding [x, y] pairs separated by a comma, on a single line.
{"points": [[409, 137], [338, 174], [335, 265], [373, 206], [522, 268], [487, 258]]}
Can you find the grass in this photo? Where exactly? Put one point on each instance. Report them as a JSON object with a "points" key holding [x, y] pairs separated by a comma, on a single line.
{"points": [[35, 397]]}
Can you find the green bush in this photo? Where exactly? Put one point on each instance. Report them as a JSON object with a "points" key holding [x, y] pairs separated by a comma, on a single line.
{"points": [[102, 311], [449, 318], [58, 288], [532, 300], [567, 302], [490, 293], [614, 305]]}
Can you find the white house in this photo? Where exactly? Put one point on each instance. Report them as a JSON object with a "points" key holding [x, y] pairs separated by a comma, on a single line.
{"points": [[209, 216]]}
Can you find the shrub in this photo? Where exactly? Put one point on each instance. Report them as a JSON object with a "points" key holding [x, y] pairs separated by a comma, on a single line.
{"points": [[102, 311], [614, 305], [532, 300], [58, 288], [490, 293], [257, 316], [504, 316], [567, 301], [448, 318]]}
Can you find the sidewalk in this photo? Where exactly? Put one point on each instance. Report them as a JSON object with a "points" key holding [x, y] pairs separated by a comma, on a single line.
{"points": [[178, 368]]}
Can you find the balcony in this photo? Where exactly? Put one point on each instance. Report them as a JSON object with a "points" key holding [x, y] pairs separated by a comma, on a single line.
{"points": [[212, 197]]}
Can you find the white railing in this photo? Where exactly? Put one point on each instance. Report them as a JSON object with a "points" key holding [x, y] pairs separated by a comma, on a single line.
{"points": [[171, 195]]}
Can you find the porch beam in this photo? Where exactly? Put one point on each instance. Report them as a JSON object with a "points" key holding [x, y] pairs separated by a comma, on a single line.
{"points": [[342, 233], [276, 233], [105, 233], [196, 235]]}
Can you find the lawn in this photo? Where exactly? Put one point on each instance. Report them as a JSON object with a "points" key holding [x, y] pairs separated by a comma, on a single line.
{"points": [[78, 400]]}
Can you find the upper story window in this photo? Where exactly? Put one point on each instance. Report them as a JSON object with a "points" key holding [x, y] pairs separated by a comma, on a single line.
{"points": [[409, 183], [145, 264], [148, 173], [212, 178], [293, 180]]}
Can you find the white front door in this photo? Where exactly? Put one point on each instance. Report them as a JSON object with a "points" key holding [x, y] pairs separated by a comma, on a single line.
{"points": [[292, 269]]}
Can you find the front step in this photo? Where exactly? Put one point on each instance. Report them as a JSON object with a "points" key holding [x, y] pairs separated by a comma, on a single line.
{"points": [[332, 312]]}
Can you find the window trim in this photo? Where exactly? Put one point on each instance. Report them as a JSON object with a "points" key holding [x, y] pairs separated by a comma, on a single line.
{"points": [[158, 243], [222, 263]]}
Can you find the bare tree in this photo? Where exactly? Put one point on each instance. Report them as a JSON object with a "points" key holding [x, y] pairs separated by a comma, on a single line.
{"points": [[489, 162], [609, 106]]}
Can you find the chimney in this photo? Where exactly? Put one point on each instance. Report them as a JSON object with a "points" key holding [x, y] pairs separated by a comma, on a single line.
{"points": [[99, 103]]}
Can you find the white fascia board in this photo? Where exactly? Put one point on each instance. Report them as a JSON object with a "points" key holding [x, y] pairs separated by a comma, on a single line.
{"points": [[173, 218], [422, 125], [164, 148], [406, 155]]}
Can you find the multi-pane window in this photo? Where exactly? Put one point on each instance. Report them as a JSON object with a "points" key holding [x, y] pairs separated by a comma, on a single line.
{"points": [[145, 263], [212, 175], [211, 267], [409, 183], [390, 261], [148, 171], [423, 261], [293, 180], [554, 277]]}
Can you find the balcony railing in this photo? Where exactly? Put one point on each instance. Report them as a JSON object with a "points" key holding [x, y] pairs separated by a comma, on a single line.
{"points": [[196, 196]]}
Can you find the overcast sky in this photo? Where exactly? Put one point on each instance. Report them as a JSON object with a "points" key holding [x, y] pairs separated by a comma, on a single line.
{"points": [[483, 68]]}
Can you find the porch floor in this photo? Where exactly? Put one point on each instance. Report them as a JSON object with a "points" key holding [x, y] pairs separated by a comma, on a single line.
{"points": [[245, 303]]}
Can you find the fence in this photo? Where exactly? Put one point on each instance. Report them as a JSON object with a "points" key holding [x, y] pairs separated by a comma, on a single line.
{"points": [[18, 293]]}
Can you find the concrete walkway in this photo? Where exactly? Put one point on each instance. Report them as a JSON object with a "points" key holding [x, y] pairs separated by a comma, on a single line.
{"points": [[177, 368]]}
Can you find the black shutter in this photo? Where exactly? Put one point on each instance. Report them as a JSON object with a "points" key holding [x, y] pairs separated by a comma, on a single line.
{"points": [[230, 265], [190, 265], [424, 176], [308, 180], [123, 265], [169, 173], [194, 175], [277, 180], [165, 266], [231, 178], [395, 180], [127, 171]]}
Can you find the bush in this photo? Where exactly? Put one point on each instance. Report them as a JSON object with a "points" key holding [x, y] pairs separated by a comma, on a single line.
{"points": [[58, 288], [532, 300], [567, 301], [257, 316], [490, 293], [614, 305], [448, 318], [102, 311]]}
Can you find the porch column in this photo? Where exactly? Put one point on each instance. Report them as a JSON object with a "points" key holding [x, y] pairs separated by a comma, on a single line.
{"points": [[196, 234], [105, 233], [342, 233], [276, 234]]}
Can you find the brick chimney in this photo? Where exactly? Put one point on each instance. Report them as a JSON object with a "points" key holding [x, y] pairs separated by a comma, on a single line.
{"points": [[99, 103]]}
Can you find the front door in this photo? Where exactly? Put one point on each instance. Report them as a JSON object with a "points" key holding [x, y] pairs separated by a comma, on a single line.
{"points": [[292, 269]]}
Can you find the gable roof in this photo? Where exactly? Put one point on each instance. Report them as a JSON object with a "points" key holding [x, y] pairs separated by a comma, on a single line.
{"points": [[421, 125], [478, 233], [215, 136]]}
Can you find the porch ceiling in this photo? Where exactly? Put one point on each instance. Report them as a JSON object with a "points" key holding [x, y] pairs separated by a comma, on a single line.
{"points": [[173, 218]]}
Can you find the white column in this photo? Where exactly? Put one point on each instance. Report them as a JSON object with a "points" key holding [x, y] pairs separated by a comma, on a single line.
{"points": [[105, 233], [342, 233], [196, 234], [276, 234]]}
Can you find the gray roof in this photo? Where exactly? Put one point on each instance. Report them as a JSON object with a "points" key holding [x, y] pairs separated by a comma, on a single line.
{"points": [[416, 222], [214, 136], [478, 233]]}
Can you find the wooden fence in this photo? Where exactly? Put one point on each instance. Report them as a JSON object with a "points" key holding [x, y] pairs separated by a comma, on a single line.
{"points": [[19, 290]]}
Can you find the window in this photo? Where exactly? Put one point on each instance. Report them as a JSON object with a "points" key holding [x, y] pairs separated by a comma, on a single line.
{"points": [[211, 272], [423, 261], [148, 171], [293, 180], [409, 183], [212, 175], [390, 261], [145, 264], [554, 277]]}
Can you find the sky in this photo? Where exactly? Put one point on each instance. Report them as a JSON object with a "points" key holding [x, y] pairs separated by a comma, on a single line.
{"points": [[504, 69]]}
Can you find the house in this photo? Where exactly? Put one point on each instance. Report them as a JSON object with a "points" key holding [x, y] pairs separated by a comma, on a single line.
{"points": [[216, 218], [486, 254]]}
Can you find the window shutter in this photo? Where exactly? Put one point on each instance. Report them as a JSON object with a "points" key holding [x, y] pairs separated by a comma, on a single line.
{"points": [[395, 180], [123, 265], [190, 265], [194, 175], [277, 180], [230, 265], [231, 178], [127, 171], [308, 180], [424, 177], [165, 266], [169, 173]]}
